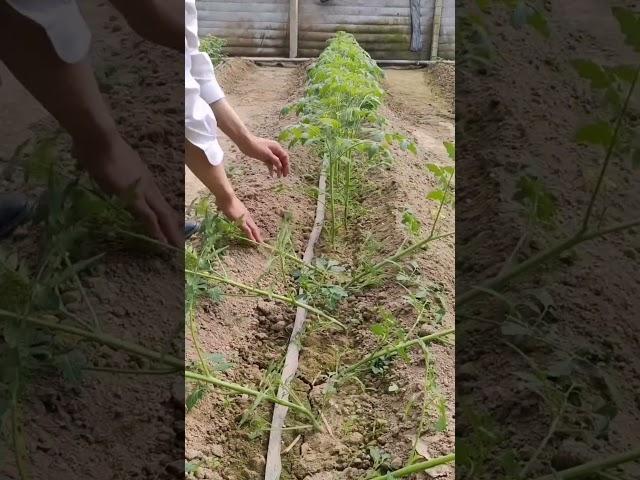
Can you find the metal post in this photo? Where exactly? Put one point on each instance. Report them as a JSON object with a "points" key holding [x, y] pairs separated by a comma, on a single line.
{"points": [[293, 28], [437, 21]]}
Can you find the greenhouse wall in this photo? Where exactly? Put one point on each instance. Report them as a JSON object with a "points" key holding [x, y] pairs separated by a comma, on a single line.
{"points": [[384, 27]]}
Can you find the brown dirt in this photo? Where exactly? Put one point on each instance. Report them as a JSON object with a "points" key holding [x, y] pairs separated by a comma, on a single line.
{"points": [[519, 116], [247, 330], [110, 426]]}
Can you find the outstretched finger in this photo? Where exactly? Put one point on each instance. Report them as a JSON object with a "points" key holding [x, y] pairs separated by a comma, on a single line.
{"points": [[167, 219], [275, 161], [247, 231], [282, 155], [148, 217], [255, 231]]}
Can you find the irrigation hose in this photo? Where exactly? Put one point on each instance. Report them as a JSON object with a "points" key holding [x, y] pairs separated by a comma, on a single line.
{"points": [[273, 468]]}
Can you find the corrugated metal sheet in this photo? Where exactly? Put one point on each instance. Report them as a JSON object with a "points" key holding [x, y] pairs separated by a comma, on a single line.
{"points": [[383, 27], [250, 28]]}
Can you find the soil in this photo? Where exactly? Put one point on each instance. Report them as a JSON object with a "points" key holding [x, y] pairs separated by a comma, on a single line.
{"points": [[252, 333], [107, 426], [518, 116]]}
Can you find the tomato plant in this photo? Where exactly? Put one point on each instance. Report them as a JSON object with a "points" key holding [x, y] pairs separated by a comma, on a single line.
{"points": [[339, 116]]}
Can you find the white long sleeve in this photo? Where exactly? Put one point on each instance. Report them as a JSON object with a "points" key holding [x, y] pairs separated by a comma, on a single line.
{"points": [[201, 89], [64, 24]]}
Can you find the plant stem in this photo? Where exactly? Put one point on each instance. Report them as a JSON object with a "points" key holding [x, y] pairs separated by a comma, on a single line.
{"points": [[254, 393], [549, 435], [266, 294], [153, 355], [441, 206], [99, 337], [399, 255], [418, 467], [150, 240], [83, 292], [126, 371], [393, 350], [347, 188], [286, 255], [425, 399], [19, 446], [501, 280], [609, 155], [413, 248], [196, 343], [594, 466], [332, 196]]}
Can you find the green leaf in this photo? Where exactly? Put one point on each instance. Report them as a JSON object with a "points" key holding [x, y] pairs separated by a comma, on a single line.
{"points": [[593, 72], [630, 26], [437, 195], [635, 159], [412, 148], [599, 133], [218, 363], [435, 169], [411, 222], [563, 368], [539, 23], [441, 422], [72, 365], [532, 194], [40, 164], [195, 397], [74, 269], [45, 298], [451, 150], [514, 329], [379, 330], [626, 73]]}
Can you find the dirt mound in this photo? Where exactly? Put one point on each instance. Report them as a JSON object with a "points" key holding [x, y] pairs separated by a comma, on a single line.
{"points": [[231, 72], [442, 76]]}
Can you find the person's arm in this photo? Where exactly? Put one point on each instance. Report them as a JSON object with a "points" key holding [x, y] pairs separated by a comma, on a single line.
{"points": [[159, 21], [267, 151], [202, 71], [69, 92], [199, 122], [215, 179]]}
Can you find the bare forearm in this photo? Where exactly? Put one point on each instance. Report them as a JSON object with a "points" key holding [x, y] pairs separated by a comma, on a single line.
{"points": [[159, 21], [213, 177], [230, 123], [267, 151]]}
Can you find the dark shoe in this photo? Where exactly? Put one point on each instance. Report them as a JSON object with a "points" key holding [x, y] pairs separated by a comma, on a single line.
{"points": [[191, 227], [14, 210]]}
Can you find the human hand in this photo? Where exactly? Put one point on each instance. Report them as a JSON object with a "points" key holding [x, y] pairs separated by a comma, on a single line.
{"points": [[235, 211], [119, 170], [269, 152]]}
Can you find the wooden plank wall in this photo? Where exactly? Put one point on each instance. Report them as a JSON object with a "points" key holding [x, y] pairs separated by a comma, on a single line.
{"points": [[447, 43], [256, 28], [383, 27]]}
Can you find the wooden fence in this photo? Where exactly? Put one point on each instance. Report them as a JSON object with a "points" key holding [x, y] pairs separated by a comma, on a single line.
{"points": [[388, 29]]}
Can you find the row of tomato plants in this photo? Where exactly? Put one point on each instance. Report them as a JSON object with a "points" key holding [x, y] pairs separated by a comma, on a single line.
{"points": [[339, 115]]}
